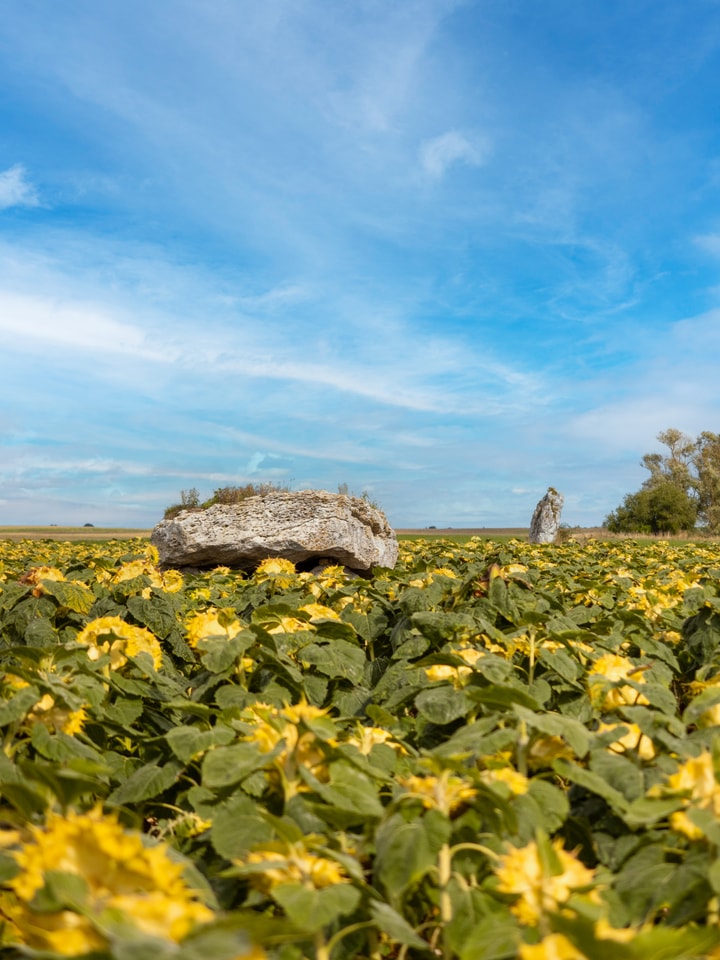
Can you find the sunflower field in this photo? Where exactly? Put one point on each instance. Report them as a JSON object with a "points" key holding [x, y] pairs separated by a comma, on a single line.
{"points": [[492, 751]]}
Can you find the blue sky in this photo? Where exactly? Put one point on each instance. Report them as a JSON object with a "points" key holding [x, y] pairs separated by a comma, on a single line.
{"points": [[446, 252]]}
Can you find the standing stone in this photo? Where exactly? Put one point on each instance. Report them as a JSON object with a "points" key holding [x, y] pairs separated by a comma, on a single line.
{"points": [[297, 526], [546, 518]]}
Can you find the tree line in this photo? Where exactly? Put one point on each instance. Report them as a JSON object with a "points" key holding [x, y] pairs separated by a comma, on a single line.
{"points": [[682, 491]]}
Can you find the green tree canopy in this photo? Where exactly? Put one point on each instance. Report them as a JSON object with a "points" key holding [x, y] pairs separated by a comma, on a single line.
{"points": [[683, 488], [660, 508]]}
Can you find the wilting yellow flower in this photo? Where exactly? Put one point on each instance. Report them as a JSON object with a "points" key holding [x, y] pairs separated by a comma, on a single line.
{"points": [[490, 646], [697, 776], [555, 946], [200, 594], [544, 749], [317, 611], [654, 602], [301, 748], [121, 640], [202, 626], [331, 576], [121, 875], [36, 575], [590, 597], [9, 837], [460, 674], [521, 872], [302, 712], [47, 711], [290, 625], [170, 580], [603, 931], [246, 665], [292, 863], [470, 655], [444, 671], [131, 570], [266, 736], [368, 737], [57, 718], [13, 681], [632, 740], [275, 565], [711, 716], [605, 676], [515, 781], [696, 779], [446, 793], [281, 572]]}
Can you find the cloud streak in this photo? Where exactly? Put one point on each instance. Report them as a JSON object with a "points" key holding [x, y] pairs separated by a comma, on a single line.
{"points": [[440, 153], [16, 190], [442, 249]]}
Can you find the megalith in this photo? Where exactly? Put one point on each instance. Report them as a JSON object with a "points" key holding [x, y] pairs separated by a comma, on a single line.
{"points": [[298, 526], [546, 518]]}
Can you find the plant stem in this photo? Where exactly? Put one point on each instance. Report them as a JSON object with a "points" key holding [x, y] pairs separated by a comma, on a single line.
{"points": [[474, 846], [444, 876], [321, 948], [337, 937], [531, 670], [522, 745]]}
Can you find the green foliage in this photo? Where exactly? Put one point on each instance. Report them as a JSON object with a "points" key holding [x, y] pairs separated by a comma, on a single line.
{"points": [[347, 766], [682, 489], [659, 508]]}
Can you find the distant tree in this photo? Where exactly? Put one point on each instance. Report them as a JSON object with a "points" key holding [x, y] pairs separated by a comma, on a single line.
{"points": [[677, 465], [706, 460], [683, 486], [662, 507]]}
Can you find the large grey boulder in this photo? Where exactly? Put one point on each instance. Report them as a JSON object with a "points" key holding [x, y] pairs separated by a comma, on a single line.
{"points": [[546, 518], [297, 526]]}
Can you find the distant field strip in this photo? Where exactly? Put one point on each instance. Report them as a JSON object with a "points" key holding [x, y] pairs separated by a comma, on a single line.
{"points": [[76, 534], [72, 534]]}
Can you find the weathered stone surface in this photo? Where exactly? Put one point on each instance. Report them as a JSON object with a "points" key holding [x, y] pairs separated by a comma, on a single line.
{"points": [[297, 526], [546, 518]]}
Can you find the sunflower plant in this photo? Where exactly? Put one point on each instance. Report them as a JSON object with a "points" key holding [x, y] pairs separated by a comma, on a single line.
{"points": [[494, 750]]}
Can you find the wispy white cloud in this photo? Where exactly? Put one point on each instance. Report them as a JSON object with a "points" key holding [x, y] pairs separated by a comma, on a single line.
{"points": [[671, 382], [709, 242], [437, 240], [440, 153], [16, 190], [76, 326], [270, 335]]}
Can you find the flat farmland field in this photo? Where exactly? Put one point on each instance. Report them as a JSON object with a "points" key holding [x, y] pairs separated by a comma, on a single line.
{"points": [[77, 534], [71, 534], [496, 749], [462, 534]]}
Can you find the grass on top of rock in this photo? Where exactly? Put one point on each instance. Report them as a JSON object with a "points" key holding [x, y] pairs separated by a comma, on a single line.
{"points": [[190, 499]]}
